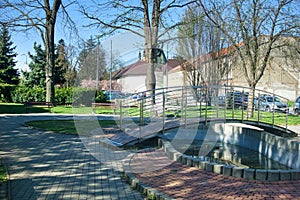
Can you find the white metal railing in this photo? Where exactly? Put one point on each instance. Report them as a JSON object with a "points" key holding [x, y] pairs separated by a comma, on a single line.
{"points": [[187, 103]]}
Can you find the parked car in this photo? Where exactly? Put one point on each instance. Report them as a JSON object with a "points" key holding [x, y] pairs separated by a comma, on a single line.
{"points": [[221, 100], [297, 106], [269, 103], [237, 99]]}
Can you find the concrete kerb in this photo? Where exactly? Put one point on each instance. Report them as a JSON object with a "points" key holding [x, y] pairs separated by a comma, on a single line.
{"points": [[239, 172], [139, 186]]}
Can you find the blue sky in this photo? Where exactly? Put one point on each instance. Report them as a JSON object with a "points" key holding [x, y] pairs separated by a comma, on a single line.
{"points": [[125, 44]]}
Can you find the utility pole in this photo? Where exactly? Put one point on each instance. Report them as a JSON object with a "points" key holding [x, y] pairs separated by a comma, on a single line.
{"points": [[110, 75], [97, 72]]}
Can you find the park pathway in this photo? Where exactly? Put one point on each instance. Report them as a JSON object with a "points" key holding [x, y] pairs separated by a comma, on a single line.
{"points": [[45, 165]]}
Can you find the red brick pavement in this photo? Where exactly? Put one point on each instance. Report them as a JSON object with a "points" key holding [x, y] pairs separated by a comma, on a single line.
{"points": [[183, 182]]}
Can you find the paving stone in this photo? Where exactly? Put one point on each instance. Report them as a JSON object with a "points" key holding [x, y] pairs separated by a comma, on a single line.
{"points": [[218, 168], [295, 174], [56, 166], [261, 174], [273, 175], [60, 166], [284, 175], [189, 162], [227, 170], [249, 173], [238, 172], [209, 167], [202, 164]]}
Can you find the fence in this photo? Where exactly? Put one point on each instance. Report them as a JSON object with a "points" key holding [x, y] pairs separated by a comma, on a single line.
{"points": [[186, 104]]}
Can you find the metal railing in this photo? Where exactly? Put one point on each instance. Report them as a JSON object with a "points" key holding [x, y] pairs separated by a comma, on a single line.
{"points": [[202, 103]]}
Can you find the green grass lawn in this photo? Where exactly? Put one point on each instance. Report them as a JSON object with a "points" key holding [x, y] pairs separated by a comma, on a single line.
{"points": [[279, 118], [13, 108], [69, 126], [3, 175]]}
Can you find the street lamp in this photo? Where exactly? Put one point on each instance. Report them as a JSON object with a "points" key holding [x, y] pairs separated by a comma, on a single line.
{"points": [[26, 66], [97, 72], [110, 73], [25, 58]]}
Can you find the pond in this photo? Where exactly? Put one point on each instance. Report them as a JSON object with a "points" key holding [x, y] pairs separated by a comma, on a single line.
{"points": [[229, 154]]}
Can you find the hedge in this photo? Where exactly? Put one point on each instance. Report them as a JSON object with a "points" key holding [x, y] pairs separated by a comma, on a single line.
{"points": [[5, 92], [63, 96]]}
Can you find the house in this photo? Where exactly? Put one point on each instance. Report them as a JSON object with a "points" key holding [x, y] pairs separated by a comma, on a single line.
{"points": [[132, 77], [281, 76]]}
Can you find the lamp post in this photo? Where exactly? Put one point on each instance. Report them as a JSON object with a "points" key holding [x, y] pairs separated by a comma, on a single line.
{"points": [[110, 75], [23, 54], [97, 72], [25, 61]]}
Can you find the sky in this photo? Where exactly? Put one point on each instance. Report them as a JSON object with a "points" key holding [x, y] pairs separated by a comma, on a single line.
{"points": [[125, 44]]}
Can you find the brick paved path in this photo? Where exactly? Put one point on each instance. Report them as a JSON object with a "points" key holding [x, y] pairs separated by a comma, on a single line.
{"points": [[183, 182], [55, 166]]}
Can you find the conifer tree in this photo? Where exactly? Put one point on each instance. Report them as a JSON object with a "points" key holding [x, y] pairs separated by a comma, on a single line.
{"points": [[61, 63], [36, 76], [8, 74]]}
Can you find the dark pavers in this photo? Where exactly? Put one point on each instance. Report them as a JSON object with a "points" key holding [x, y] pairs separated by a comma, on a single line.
{"points": [[183, 182], [56, 166], [46, 165]]}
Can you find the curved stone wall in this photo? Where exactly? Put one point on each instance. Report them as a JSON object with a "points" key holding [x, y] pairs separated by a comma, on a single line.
{"points": [[277, 148]]}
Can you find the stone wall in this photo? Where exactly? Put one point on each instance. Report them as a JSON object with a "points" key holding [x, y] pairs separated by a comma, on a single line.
{"points": [[277, 148]]}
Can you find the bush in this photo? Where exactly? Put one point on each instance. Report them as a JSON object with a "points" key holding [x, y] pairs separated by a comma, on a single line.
{"points": [[63, 96], [100, 97], [86, 97], [6, 92], [23, 94]]}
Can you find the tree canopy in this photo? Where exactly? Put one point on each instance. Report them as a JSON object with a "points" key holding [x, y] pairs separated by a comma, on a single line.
{"points": [[92, 64], [8, 74], [199, 42], [255, 29], [35, 77]]}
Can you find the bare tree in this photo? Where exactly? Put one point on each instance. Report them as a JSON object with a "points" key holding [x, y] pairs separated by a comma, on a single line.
{"points": [[144, 19], [254, 28], [25, 15], [200, 45]]}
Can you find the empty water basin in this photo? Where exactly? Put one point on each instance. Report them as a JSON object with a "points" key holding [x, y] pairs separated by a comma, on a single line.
{"points": [[235, 149], [230, 155]]}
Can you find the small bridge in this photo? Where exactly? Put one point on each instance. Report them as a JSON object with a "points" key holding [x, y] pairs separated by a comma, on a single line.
{"points": [[168, 108]]}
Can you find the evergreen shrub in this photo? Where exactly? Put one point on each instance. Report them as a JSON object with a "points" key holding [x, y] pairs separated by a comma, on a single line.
{"points": [[63, 96]]}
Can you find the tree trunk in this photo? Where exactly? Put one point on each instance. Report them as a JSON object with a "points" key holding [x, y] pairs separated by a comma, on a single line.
{"points": [[49, 46], [150, 81], [50, 63], [251, 96]]}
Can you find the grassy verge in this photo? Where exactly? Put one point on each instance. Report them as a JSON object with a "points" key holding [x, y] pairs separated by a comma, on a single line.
{"points": [[13, 108], [69, 126], [267, 117], [3, 175]]}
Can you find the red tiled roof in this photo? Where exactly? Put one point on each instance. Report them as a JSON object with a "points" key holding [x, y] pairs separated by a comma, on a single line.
{"points": [[204, 58]]}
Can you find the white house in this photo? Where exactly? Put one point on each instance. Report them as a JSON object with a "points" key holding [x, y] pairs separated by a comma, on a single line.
{"points": [[132, 77]]}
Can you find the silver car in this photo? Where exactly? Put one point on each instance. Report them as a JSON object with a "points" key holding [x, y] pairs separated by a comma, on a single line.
{"points": [[269, 103]]}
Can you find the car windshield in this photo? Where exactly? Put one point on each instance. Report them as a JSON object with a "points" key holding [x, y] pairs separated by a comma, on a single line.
{"points": [[272, 99]]}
